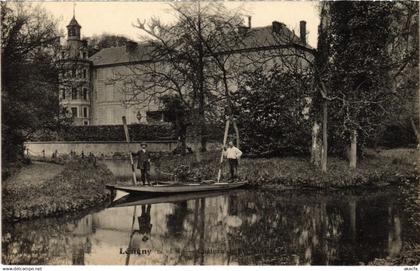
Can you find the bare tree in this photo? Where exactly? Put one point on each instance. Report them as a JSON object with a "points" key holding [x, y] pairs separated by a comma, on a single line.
{"points": [[185, 59]]}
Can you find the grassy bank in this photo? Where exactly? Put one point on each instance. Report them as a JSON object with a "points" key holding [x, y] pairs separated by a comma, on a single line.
{"points": [[376, 169], [45, 189]]}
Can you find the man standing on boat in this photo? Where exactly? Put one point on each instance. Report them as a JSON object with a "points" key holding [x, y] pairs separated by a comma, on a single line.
{"points": [[233, 154], [143, 163]]}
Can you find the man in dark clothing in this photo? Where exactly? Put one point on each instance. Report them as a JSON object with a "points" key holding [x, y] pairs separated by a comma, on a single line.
{"points": [[143, 163], [145, 227]]}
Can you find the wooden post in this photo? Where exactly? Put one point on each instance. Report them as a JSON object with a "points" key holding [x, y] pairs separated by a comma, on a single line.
{"points": [[219, 174], [127, 137]]}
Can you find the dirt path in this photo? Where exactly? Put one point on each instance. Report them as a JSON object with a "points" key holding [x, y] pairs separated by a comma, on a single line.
{"points": [[35, 174]]}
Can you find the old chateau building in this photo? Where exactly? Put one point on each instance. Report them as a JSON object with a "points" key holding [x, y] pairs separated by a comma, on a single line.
{"points": [[91, 92]]}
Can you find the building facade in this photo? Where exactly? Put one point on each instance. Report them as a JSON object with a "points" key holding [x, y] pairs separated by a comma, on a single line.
{"points": [[92, 89]]}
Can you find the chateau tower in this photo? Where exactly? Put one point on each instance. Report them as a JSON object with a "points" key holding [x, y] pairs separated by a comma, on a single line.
{"points": [[75, 76]]}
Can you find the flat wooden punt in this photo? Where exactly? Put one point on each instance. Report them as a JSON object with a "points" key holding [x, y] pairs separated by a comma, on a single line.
{"points": [[133, 200], [177, 188]]}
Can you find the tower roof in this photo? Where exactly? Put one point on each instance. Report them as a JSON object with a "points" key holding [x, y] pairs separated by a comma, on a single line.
{"points": [[73, 22]]}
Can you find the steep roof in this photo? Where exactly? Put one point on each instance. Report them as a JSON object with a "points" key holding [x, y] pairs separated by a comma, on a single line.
{"points": [[266, 36], [116, 55], [253, 38], [73, 22]]}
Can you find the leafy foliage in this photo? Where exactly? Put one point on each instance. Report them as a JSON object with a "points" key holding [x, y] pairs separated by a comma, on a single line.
{"points": [[29, 78], [360, 86], [176, 113], [274, 117], [97, 43]]}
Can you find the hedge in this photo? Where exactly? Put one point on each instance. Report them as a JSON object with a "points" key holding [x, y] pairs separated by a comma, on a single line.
{"points": [[138, 132]]}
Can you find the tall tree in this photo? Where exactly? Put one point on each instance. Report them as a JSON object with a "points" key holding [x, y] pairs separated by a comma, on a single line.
{"points": [[187, 60], [360, 77], [403, 49], [29, 42]]}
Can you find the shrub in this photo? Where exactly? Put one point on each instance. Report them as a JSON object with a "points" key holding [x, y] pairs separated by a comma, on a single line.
{"points": [[274, 115], [138, 132]]}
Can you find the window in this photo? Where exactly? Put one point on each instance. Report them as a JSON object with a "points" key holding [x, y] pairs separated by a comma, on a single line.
{"points": [[74, 112], [155, 116], [86, 122], [85, 112], [73, 93], [73, 72], [63, 55], [84, 73], [64, 94], [84, 55], [85, 94]]}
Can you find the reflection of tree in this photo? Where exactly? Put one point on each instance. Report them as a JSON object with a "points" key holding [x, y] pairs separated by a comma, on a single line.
{"points": [[175, 221], [46, 241], [285, 230], [261, 227]]}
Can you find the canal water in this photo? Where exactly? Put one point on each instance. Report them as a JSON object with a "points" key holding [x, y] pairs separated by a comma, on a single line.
{"points": [[240, 227]]}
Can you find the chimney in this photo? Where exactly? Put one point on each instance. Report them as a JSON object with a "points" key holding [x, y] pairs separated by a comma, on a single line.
{"points": [[276, 27], [249, 22], [242, 30], [130, 46], [303, 32]]}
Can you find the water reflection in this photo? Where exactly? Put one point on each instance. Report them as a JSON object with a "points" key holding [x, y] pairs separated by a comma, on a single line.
{"points": [[236, 228]]}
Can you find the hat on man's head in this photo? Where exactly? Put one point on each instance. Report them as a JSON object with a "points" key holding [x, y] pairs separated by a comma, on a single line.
{"points": [[143, 144]]}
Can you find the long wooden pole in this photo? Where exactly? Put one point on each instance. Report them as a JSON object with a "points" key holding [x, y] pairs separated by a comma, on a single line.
{"points": [[127, 137], [127, 259], [219, 174]]}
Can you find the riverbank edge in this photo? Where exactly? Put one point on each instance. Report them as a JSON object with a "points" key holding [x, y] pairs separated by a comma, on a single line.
{"points": [[375, 170], [79, 187], [409, 256]]}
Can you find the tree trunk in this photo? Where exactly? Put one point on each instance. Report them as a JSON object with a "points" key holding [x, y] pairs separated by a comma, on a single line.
{"points": [[201, 89], [203, 139], [316, 146], [324, 152], [353, 150], [197, 137], [416, 131]]}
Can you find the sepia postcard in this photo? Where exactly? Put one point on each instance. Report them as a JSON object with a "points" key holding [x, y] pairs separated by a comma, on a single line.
{"points": [[216, 133]]}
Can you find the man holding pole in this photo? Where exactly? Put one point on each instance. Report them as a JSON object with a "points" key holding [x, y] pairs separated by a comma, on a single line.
{"points": [[143, 163]]}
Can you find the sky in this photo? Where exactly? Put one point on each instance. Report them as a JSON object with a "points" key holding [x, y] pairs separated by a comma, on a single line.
{"points": [[118, 17]]}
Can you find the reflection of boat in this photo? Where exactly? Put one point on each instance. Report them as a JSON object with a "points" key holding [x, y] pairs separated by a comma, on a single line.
{"points": [[132, 200], [177, 188]]}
